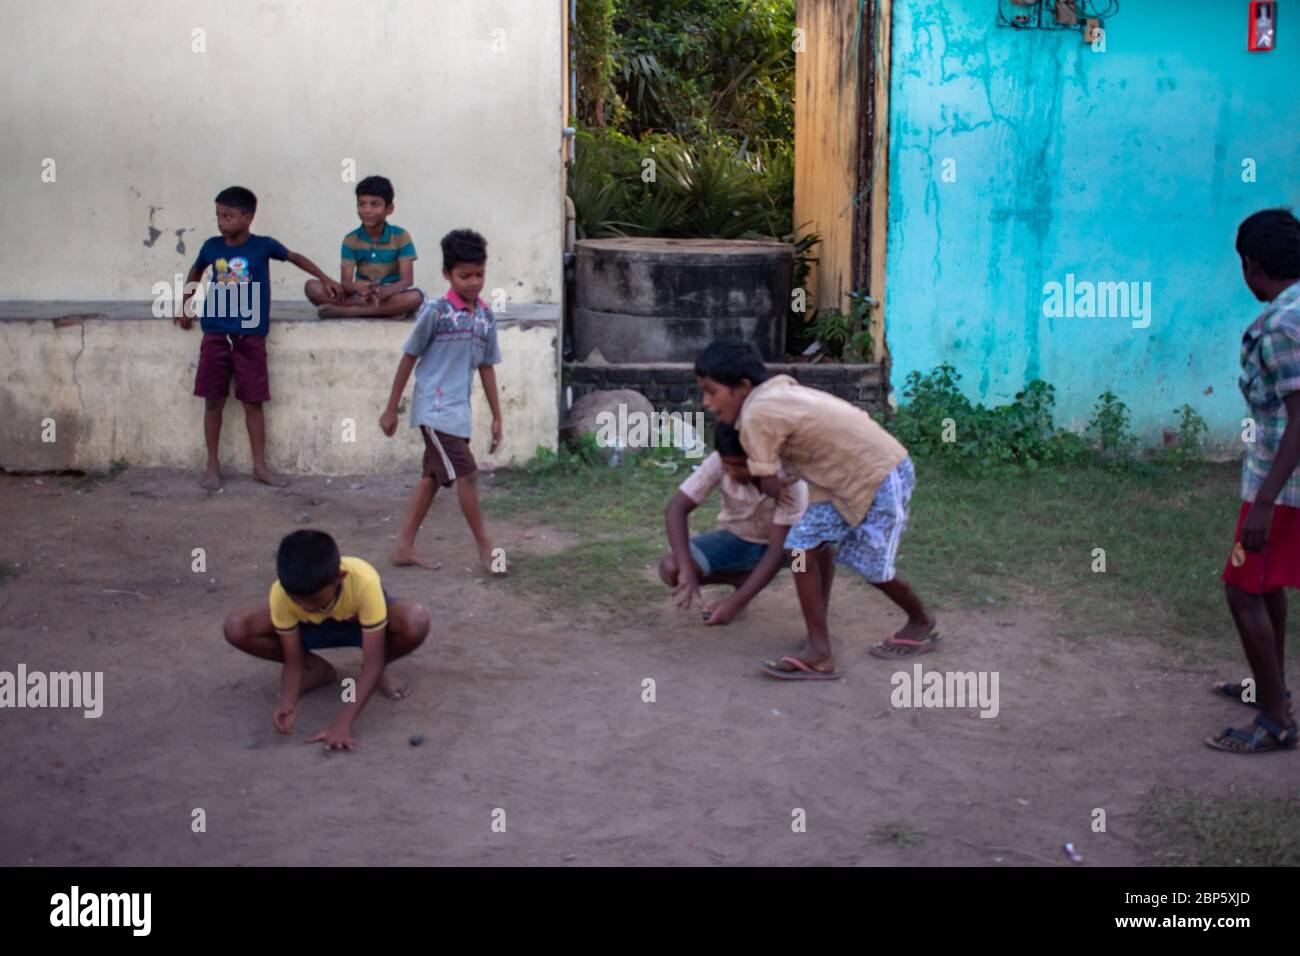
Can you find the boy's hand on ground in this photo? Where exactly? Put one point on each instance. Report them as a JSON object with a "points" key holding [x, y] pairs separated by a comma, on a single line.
{"points": [[334, 737], [1254, 530], [688, 589], [496, 435], [720, 612], [283, 718], [388, 422]]}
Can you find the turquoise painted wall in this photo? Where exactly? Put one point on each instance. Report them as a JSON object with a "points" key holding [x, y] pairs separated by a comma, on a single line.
{"points": [[1115, 166]]}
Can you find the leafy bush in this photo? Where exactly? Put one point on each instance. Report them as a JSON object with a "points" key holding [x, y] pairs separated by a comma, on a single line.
{"points": [[1108, 428], [939, 422], [694, 68], [714, 190], [703, 87]]}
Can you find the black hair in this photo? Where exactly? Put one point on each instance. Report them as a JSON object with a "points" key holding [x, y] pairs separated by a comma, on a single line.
{"points": [[376, 186], [726, 441], [729, 360], [1271, 238], [307, 562], [237, 197], [463, 245]]}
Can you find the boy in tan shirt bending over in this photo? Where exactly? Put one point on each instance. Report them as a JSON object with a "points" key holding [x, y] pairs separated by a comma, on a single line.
{"points": [[860, 481]]}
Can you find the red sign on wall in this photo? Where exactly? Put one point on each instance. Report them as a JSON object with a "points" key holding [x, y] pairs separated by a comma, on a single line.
{"points": [[1261, 31]]}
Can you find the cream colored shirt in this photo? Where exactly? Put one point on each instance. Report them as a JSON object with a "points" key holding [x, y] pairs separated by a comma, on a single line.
{"points": [[746, 512], [836, 446]]}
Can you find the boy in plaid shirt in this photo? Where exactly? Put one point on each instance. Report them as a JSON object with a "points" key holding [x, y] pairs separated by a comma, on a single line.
{"points": [[1265, 557]]}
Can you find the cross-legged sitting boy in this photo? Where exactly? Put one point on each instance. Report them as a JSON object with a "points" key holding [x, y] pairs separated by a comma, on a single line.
{"points": [[319, 600], [453, 337], [860, 481], [746, 549], [378, 269]]}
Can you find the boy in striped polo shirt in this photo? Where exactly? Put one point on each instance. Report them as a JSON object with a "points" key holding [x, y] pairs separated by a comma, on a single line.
{"points": [[1265, 557], [378, 269]]}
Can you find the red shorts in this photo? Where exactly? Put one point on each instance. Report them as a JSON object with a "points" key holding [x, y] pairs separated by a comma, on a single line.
{"points": [[1278, 565], [243, 356]]}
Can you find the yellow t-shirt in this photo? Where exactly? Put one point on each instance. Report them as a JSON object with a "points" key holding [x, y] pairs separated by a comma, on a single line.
{"points": [[361, 600]]}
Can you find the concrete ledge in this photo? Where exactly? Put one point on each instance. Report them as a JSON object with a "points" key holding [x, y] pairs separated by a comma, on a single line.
{"points": [[672, 385], [117, 383], [73, 311]]}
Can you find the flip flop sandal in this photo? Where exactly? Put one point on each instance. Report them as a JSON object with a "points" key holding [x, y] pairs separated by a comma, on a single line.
{"points": [[1234, 689], [1261, 737], [909, 647], [797, 670]]}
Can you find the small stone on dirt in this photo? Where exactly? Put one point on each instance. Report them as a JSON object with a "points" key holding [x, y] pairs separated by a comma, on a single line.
{"points": [[302, 517], [417, 739]]}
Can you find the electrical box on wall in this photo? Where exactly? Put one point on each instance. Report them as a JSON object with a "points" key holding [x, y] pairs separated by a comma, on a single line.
{"points": [[1261, 30], [1056, 14]]}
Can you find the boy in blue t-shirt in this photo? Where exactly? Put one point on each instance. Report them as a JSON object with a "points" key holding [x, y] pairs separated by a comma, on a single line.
{"points": [[453, 336], [236, 317]]}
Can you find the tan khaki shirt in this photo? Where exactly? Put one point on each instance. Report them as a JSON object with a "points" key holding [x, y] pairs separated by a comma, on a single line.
{"points": [[746, 512], [836, 446]]}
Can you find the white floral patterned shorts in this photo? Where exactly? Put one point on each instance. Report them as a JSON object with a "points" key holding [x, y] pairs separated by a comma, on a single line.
{"points": [[871, 547]]}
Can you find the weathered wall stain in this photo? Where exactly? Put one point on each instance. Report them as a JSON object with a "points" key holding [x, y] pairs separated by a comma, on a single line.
{"points": [[1121, 166]]}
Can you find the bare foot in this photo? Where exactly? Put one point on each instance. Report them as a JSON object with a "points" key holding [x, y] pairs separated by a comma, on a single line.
{"points": [[211, 480], [316, 672], [824, 663], [491, 561], [391, 687], [406, 557], [267, 477], [915, 630]]}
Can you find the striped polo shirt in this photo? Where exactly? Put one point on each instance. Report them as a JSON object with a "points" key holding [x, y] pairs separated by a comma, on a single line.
{"points": [[377, 260]]}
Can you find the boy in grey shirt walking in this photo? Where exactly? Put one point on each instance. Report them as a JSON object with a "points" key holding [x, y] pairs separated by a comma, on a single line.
{"points": [[452, 337]]}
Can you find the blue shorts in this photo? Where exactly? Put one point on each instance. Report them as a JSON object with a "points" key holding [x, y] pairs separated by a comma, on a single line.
{"points": [[871, 547], [331, 633], [720, 551]]}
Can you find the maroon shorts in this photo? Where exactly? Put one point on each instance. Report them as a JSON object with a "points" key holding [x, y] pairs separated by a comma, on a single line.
{"points": [[446, 457], [243, 356], [1278, 565]]}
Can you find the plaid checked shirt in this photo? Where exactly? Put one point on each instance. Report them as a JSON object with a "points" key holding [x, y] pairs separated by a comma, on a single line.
{"points": [[1270, 371]]}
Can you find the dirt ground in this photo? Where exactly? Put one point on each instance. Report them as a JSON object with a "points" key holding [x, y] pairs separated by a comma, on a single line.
{"points": [[543, 717]]}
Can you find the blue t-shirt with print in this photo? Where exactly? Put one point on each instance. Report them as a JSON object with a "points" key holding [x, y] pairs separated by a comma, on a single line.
{"points": [[451, 340], [238, 299]]}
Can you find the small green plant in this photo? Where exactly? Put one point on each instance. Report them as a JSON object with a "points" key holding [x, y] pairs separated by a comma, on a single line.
{"points": [[847, 337], [901, 833], [567, 460], [1108, 429]]}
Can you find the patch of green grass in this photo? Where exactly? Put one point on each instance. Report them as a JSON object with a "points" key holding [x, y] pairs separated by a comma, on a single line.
{"points": [[618, 510], [900, 833], [607, 574], [971, 539], [1230, 830], [1165, 537], [598, 499], [8, 571]]}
